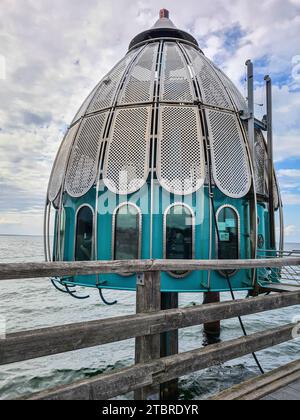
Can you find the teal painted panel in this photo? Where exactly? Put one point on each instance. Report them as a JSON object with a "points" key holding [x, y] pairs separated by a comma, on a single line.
{"points": [[204, 239]]}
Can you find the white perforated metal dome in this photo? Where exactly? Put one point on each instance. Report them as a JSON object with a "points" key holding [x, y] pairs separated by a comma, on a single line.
{"points": [[167, 92]]}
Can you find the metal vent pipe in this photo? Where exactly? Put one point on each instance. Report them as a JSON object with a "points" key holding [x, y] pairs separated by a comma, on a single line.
{"points": [[251, 117], [270, 161]]}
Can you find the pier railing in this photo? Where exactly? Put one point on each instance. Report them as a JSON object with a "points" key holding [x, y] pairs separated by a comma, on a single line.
{"points": [[148, 326], [289, 273]]}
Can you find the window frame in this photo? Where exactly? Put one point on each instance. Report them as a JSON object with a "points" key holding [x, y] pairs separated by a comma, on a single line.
{"points": [[166, 213], [140, 227], [93, 234], [235, 210], [62, 242]]}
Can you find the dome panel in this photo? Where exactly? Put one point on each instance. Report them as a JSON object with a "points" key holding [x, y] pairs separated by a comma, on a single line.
{"points": [[261, 162], [83, 109], [181, 163], [212, 90], [126, 166], [139, 86], [276, 192], [83, 164], [230, 160], [237, 97], [60, 164], [107, 90], [261, 168], [176, 83]]}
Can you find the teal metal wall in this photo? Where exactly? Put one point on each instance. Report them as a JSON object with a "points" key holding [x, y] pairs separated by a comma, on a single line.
{"points": [[205, 237]]}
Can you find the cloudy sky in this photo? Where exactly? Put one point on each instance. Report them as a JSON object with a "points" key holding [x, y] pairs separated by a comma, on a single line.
{"points": [[53, 52]]}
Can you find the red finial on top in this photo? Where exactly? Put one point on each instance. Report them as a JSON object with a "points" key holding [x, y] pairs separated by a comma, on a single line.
{"points": [[164, 14]]}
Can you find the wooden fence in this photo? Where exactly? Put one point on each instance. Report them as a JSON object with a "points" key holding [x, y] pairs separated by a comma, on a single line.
{"points": [[153, 368]]}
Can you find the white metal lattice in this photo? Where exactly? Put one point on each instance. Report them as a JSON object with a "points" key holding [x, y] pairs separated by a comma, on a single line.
{"points": [[276, 193], [212, 90], [238, 99], [83, 164], [84, 107], [231, 166], [139, 86], [127, 160], [59, 167], [261, 168], [176, 82], [261, 161], [105, 95], [181, 163]]}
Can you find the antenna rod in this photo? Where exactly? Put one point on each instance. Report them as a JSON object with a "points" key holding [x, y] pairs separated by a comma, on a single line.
{"points": [[270, 161], [251, 130]]}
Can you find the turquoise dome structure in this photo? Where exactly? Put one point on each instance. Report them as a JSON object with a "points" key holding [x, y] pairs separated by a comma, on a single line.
{"points": [[157, 165]]}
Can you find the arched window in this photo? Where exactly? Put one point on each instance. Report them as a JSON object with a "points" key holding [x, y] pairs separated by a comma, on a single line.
{"points": [[84, 234], [228, 238], [127, 232], [179, 234]]}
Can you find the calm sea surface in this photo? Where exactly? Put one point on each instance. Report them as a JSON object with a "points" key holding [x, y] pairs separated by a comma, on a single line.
{"points": [[33, 304]]}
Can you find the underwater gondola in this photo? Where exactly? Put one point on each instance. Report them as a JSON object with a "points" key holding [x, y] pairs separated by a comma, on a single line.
{"points": [[165, 160]]}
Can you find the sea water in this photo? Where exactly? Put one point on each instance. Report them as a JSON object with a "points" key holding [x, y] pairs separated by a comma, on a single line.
{"points": [[34, 304]]}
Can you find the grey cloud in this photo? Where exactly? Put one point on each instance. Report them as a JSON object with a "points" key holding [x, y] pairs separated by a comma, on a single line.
{"points": [[57, 51], [29, 74], [35, 119], [13, 198]]}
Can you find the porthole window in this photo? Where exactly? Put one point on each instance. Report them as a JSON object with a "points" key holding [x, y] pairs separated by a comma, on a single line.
{"points": [[228, 238], [84, 234], [127, 232], [179, 234]]}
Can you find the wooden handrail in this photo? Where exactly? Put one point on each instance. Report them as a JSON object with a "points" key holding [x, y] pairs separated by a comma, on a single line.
{"points": [[120, 382], [28, 345], [257, 388], [65, 269], [149, 371]]}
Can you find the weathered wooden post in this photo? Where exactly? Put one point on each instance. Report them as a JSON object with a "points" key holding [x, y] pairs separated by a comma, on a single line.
{"points": [[169, 347], [147, 348], [212, 330]]}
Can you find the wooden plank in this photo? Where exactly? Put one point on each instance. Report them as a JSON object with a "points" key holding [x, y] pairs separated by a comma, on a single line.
{"points": [[286, 394], [262, 386], [296, 386], [280, 288], [111, 385], [186, 363], [169, 346], [45, 342], [65, 269], [147, 347]]}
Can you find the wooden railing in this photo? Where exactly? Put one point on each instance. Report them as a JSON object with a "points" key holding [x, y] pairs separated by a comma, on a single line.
{"points": [[151, 370], [62, 269]]}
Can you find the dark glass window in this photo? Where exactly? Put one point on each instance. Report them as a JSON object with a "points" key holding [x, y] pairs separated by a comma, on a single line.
{"points": [[127, 233], [84, 235], [179, 234], [228, 238]]}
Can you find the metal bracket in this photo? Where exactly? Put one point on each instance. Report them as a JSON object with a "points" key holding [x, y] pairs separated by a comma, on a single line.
{"points": [[244, 116], [140, 279]]}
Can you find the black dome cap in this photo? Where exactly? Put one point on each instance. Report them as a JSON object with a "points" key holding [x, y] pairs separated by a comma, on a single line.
{"points": [[164, 28]]}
